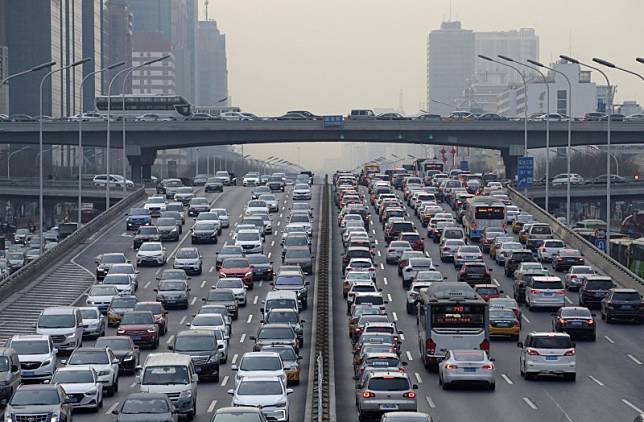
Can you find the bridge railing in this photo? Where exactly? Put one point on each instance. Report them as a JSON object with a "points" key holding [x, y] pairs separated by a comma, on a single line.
{"points": [[619, 273], [32, 182]]}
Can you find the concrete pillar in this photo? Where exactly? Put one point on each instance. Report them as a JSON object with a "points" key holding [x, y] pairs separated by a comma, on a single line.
{"points": [[511, 164], [141, 161]]}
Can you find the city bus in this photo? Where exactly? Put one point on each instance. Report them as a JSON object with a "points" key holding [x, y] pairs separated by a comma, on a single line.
{"points": [[482, 212], [165, 106], [629, 253], [450, 315]]}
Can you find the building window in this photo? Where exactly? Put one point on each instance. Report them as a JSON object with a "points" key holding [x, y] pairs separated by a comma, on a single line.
{"points": [[562, 101]]}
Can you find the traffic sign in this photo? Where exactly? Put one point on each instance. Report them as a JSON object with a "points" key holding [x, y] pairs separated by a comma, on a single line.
{"points": [[333, 121], [525, 172], [600, 244]]}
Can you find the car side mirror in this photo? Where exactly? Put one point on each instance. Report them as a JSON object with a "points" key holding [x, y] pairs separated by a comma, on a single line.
{"points": [[234, 367], [115, 412], [520, 345], [231, 392], [261, 310], [63, 361], [414, 387], [155, 290], [289, 391], [252, 338]]}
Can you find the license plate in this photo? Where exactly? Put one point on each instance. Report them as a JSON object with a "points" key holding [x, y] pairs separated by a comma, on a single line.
{"points": [[552, 357], [548, 293], [627, 307], [27, 373], [170, 301], [576, 323], [136, 338], [389, 406], [470, 369]]}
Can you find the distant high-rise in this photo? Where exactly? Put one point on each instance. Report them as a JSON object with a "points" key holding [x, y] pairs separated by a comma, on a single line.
{"points": [[117, 43], [4, 58], [521, 45], [158, 78], [92, 47], [450, 66], [212, 69]]}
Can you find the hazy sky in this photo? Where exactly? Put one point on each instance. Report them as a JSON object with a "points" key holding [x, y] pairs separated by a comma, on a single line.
{"points": [[328, 56]]}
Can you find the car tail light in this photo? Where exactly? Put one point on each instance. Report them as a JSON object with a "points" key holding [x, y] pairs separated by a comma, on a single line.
{"points": [[451, 366], [536, 291], [562, 321], [410, 395], [368, 394], [573, 276], [532, 352], [590, 321], [570, 352], [488, 366], [485, 345], [459, 256], [430, 346], [560, 292]]}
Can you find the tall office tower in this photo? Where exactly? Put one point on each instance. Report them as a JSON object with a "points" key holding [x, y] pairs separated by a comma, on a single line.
{"points": [[157, 78], [117, 43], [93, 48], [4, 58], [212, 69], [521, 45]]}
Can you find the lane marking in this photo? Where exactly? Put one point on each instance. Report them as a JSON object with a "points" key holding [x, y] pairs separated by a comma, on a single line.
{"points": [[133, 384], [389, 297], [242, 338], [269, 255], [255, 300], [418, 378], [610, 340], [261, 283], [385, 280], [430, 402], [194, 300], [211, 269], [402, 337], [111, 409], [529, 403], [409, 356], [234, 361], [633, 358], [212, 406], [496, 282], [632, 406], [224, 381], [273, 242], [282, 214], [146, 285], [568, 418], [170, 340], [379, 254], [375, 242], [525, 318], [203, 283], [507, 379], [250, 319], [373, 231], [395, 316], [382, 267], [183, 319], [567, 299], [279, 222], [598, 382]]}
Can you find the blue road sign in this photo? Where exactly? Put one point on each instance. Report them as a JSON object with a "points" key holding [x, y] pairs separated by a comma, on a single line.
{"points": [[333, 121], [464, 165], [600, 244], [525, 172]]}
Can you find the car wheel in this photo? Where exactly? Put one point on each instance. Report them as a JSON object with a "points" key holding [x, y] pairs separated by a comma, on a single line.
{"points": [[571, 377], [492, 386], [445, 386], [116, 384], [410, 308], [110, 391]]}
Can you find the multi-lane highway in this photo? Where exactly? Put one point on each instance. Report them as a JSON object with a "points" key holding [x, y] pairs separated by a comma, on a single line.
{"points": [[610, 371]]}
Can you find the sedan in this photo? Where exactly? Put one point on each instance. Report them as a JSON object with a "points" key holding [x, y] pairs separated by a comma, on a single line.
{"points": [[504, 322], [576, 275], [566, 258], [82, 386], [145, 406], [173, 293], [466, 367], [140, 327], [151, 253], [577, 321], [125, 351], [266, 393]]}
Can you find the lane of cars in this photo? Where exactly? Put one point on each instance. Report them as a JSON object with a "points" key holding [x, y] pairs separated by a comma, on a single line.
{"points": [[130, 316]]}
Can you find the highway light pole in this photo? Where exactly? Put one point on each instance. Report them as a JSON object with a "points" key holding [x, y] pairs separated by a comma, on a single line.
{"points": [[80, 135], [525, 109], [569, 132], [613, 66], [609, 109], [40, 143], [9, 159], [545, 81]]}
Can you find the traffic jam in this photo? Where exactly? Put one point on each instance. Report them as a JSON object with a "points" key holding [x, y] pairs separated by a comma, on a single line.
{"points": [[203, 316], [436, 271]]}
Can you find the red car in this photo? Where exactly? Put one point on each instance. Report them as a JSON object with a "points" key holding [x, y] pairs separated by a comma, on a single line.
{"points": [[237, 268], [140, 327], [159, 313], [414, 240], [488, 291]]}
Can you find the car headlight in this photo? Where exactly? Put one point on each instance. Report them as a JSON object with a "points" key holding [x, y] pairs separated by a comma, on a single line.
{"points": [[185, 394], [71, 336], [128, 358], [280, 404], [151, 330], [54, 419], [213, 359], [120, 331], [103, 373], [46, 363], [7, 417], [91, 391]]}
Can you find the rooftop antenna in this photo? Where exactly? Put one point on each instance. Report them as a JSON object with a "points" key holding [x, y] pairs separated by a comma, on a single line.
{"points": [[206, 3], [451, 4]]}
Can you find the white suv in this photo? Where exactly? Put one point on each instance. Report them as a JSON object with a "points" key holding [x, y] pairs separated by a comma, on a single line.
{"points": [[548, 353], [549, 249]]}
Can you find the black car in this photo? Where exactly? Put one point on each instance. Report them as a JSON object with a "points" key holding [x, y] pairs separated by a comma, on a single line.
{"points": [[204, 232], [516, 258], [213, 185], [146, 234], [142, 407], [593, 290], [202, 347], [40, 402], [566, 258], [261, 267], [625, 304], [475, 273], [124, 349], [576, 321], [198, 205]]}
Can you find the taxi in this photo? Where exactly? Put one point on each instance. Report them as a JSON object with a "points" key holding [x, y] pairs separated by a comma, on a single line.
{"points": [[523, 234], [504, 323]]}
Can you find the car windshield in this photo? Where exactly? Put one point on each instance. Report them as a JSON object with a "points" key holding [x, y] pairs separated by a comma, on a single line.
{"points": [[221, 296], [166, 222], [231, 250], [117, 279], [208, 320], [626, 296], [501, 314], [260, 388], [166, 286], [569, 253], [475, 269], [189, 343], [299, 219], [553, 244], [429, 276], [281, 333], [469, 249], [89, 313], [468, 356], [122, 269], [138, 212], [174, 275], [581, 270], [286, 353], [358, 275], [297, 253], [85, 357], [258, 259], [156, 200], [73, 377], [198, 201], [113, 259], [283, 316], [388, 384], [551, 342], [165, 375], [155, 308], [289, 280], [123, 302], [187, 254], [257, 363], [184, 190], [231, 283], [235, 263], [542, 230], [38, 397], [57, 321], [575, 313], [538, 284], [150, 247], [137, 318], [114, 343], [203, 226], [147, 405], [382, 362], [248, 237], [31, 347]]}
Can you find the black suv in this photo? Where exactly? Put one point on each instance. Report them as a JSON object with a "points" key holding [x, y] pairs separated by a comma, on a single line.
{"points": [[146, 234], [517, 257], [623, 304], [38, 402], [593, 290], [201, 346]]}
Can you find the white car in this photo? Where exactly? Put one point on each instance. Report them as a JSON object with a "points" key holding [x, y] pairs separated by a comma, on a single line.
{"points": [[236, 285], [505, 250], [81, 384], [548, 353], [151, 253], [413, 293], [224, 218], [549, 249], [271, 201], [301, 191], [116, 180], [101, 296], [256, 206], [251, 179], [100, 360], [266, 393], [259, 364], [562, 179], [156, 205], [207, 319], [250, 241], [234, 115], [122, 282]]}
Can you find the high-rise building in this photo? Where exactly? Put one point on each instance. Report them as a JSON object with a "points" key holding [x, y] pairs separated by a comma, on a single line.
{"points": [[157, 78], [117, 43], [4, 58], [450, 66], [93, 48], [176, 22], [521, 45], [212, 69]]}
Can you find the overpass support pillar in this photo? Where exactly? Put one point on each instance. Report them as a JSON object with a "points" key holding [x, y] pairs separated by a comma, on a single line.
{"points": [[510, 162], [141, 161]]}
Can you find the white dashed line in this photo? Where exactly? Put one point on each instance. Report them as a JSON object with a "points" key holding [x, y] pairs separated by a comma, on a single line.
{"points": [[212, 406], [272, 243], [282, 214], [146, 285], [111, 409], [234, 361], [496, 282], [525, 318], [389, 297], [194, 300], [243, 338], [529, 403], [250, 319], [183, 319], [409, 356], [610, 340], [379, 254], [170, 340], [418, 378], [632, 406], [633, 358], [373, 231], [375, 242], [211, 269], [507, 379], [261, 283], [241, 215], [269, 255], [395, 316], [402, 337], [279, 222], [598, 382], [382, 267], [430, 402], [203, 283], [224, 381], [255, 300], [385, 280], [567, 299]]}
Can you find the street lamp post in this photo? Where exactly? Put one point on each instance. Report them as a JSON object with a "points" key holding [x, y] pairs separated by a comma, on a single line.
{"points": [[545, 81], [613, 66], [40, 144], [525, 109], [80, 135], [609, 110], [9, 159]]}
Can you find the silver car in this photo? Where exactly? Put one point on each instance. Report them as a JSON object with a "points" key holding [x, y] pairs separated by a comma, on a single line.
{"points": [[385, 391], [395, 249], [466, 367], [576, 275], [93, 321], [82, 386], [101, 296], [189, 260], [267, 393], [236, 285], [548, 353], [223, 216]]}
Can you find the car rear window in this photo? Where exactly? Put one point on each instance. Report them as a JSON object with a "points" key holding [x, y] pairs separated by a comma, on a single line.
{"points": [[541, 230], [475, 269], [551, 342], [538, 284], [599, 284], [403, 227], [630, 296], [388, 384], [522, 256]]}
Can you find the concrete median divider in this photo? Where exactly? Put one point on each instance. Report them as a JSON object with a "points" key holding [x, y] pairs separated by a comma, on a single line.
{"points": [[51, 258], [607, 265]]}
